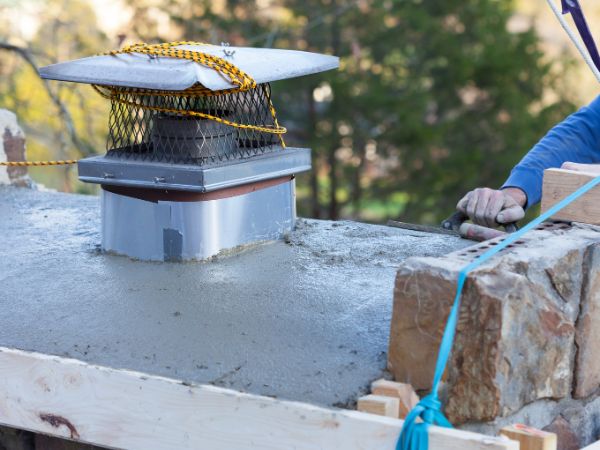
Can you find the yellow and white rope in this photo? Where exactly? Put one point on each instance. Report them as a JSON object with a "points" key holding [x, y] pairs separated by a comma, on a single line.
{"points": [[241, 80], [37, 163], [236, 76]]}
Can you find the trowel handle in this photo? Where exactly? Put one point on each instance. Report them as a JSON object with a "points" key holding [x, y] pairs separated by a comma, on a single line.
{"points": [[456, 220]]}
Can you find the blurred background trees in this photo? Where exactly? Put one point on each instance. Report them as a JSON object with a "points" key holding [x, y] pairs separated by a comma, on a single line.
{"points": [[432, 98]]}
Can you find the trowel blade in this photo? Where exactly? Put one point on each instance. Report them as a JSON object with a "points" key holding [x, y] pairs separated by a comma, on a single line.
{"points": [[421, 228]]}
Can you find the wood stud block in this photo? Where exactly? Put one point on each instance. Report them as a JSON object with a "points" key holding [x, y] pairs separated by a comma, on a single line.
{"points": [[559, 183], [380, 405], [530, 438], [405, 393]]}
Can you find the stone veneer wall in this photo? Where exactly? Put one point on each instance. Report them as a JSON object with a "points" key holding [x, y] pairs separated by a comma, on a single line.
{"points": [[528, 341], [12, 148]]}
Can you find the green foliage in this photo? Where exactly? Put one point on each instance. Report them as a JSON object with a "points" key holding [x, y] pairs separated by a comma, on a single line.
{"points": [[468, 102], [67, 30], [446, 95], [432, 98]]}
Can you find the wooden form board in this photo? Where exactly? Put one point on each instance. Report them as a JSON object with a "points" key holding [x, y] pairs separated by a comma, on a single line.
{"points": [[125, 409], [559, 183]]}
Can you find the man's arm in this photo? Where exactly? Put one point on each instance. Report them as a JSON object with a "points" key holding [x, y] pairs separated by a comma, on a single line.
{"points": [[576, 139]]}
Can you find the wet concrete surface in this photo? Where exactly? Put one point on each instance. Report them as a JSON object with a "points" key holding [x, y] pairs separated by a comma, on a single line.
{"points": [[306, 319]]}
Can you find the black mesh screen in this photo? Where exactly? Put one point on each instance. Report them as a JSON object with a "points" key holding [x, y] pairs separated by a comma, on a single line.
{"points": [[158, 127]]}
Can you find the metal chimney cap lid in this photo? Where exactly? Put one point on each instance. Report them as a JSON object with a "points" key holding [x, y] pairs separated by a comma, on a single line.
{"points": [[141, 71]]}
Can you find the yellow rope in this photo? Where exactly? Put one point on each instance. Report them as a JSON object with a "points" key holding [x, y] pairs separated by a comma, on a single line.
{"points": [[236, 76], [242, 80], [37, 163], [264, 128]]}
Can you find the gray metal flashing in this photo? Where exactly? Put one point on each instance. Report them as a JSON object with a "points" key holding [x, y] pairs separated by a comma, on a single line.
{"points": [[152, 175], [138, 70], [172, 245], [185, 231]]}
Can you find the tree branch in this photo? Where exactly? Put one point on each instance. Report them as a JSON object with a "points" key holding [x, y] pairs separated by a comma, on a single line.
{"points": [[85, 148]]}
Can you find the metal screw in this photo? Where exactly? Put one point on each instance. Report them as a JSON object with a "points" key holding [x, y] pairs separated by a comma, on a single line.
{"points": [[226, 52]]}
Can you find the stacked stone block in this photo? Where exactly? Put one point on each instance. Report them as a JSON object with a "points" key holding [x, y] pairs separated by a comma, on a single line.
{"points": [[528, 339]]}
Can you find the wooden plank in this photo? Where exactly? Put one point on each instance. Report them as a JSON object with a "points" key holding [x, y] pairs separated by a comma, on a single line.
{"points": [[594, 446], [380, 405], [403, 392], [125, 409], [530, 438], [558, 183]]}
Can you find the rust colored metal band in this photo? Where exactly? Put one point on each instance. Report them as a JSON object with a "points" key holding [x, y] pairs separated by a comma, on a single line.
{"points": [[164, 195]]}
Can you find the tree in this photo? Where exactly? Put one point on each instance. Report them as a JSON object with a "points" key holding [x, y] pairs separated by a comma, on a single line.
{"points": [[474, 94], [432, 98], [62, 120]]}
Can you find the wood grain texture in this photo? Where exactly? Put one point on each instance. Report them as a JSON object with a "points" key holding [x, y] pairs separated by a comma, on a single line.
{"points": [[125, 409], [530, 438], [405, 393], [380, 405], [559, 183]]}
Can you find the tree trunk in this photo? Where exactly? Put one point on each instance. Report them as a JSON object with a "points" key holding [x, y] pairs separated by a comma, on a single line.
{"points": [[314, 179], [335, 46], [356, 188], [333, 204]]}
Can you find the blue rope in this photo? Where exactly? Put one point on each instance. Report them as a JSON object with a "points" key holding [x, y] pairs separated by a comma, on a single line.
{"points": [[414, 435]]}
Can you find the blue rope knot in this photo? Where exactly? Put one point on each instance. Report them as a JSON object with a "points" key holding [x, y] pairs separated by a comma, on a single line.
{"points": [[414, 434], [431, 401]]}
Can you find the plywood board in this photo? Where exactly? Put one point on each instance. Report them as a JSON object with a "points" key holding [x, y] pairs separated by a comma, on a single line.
{"points": [[125, 409]]}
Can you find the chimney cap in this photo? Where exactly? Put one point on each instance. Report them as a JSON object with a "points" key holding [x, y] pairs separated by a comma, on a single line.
{"points": [[162, 73]]}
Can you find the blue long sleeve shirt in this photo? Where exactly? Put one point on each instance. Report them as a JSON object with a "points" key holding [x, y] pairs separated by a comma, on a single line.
{"points": [[576, 139]]}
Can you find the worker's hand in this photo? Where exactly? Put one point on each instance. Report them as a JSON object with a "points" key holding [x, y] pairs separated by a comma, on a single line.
{"points": [[593, 169], [490, 207]]}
